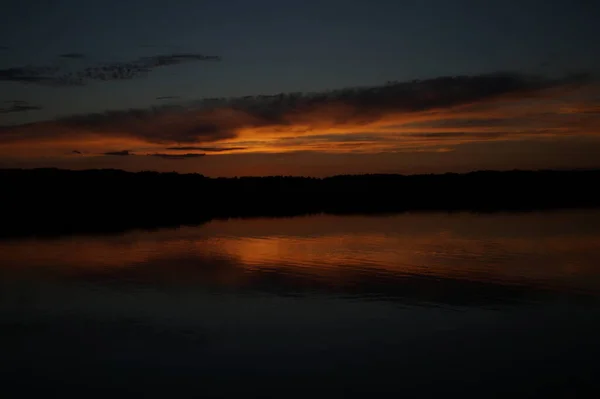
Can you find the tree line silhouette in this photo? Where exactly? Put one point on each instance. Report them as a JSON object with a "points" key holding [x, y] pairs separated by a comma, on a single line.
{"points": [[54, 201]]}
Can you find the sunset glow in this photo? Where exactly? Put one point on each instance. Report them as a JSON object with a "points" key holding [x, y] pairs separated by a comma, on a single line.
{"points": [[336, 126]]}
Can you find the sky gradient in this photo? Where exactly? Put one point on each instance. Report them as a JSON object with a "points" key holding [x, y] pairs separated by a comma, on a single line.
{"points": [[315, 88]]}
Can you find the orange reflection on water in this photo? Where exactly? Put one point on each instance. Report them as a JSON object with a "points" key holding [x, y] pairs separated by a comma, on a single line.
{"points": [[553, 261], [554, 250]]}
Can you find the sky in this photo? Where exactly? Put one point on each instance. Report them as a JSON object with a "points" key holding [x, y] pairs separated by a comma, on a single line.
{"points": [[264, 87]]}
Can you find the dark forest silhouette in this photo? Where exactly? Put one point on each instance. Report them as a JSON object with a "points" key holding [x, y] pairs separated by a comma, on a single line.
{"points": [[54, 201]]}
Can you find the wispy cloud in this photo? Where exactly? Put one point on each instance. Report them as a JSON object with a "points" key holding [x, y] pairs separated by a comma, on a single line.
{"points": [[122, 153], [29, 74], [398, 116], [128, 153], [167, 97], [174, 59], [60, 76], [177, 156], [18, 106], [206, 149]]}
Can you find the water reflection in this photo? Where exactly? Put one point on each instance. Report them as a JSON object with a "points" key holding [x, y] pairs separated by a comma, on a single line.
{"points": [[429, 257], [344, 304]]}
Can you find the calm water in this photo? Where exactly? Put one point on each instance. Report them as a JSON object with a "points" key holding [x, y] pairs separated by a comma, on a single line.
{"points": [[325, 306]]}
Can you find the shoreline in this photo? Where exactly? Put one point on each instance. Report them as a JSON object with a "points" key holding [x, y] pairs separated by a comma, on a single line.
{"points": [[51, 202]]}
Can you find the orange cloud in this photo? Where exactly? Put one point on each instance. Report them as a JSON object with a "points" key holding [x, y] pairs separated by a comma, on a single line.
{"points": [[431, 115]]}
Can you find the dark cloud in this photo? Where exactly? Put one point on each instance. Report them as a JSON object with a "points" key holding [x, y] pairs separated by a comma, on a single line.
{"points": [[72, 55], [102, 72], [76, 152], [212, 120], [174, 59], [159, 155], [119, 153], [56, 76], [167, 97], [159, 125], [29, 74], [466, 123], [177, 156], [4, 48], [206, 149], [18, 106]]}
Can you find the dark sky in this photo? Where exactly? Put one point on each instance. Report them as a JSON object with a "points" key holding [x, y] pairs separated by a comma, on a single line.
{"points": [[64, 58]]}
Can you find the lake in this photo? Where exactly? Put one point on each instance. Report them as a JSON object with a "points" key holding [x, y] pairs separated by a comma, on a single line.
{"points": [[414, 304]]}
